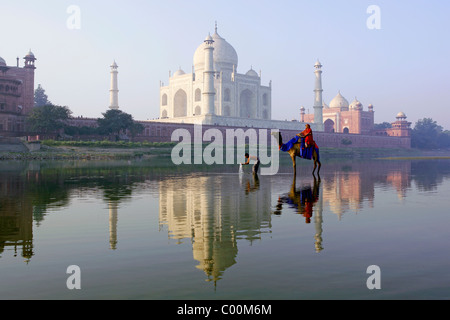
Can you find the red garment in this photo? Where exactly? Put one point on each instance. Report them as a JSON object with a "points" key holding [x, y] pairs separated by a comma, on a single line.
{"points": [[307, 133]]}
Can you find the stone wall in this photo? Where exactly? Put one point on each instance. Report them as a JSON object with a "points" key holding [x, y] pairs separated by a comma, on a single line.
{"points": [[162, 132]]}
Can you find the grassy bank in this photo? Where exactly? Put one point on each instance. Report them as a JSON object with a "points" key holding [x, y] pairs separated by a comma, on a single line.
{"points": [[109, 150]]}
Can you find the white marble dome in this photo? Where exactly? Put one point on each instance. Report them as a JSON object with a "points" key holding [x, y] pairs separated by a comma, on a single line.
{"points": [[252, 73], [339, 102], [224, 55], [179, 72]]}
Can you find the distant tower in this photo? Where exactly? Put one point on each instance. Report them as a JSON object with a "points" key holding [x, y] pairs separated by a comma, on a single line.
{"points": [[28, 90], [208, 77], [302, 114], [114, 91], [318, 118]]}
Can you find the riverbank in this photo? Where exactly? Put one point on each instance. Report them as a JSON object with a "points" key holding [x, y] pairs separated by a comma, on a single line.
{"points": [[106, 150]]}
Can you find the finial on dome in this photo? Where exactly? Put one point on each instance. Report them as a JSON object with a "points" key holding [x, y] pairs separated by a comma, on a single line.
{"points": [[215, 27]]}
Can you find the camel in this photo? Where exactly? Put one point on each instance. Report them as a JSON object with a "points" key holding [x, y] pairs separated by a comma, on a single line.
{"points": [[295, 152]]}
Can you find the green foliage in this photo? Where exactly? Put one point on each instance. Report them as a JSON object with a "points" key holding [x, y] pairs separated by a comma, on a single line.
{"points": [[427, 134], [383, 125], [107, 144], [48, 118], [40, 98], [115, 121], [346, 141]]}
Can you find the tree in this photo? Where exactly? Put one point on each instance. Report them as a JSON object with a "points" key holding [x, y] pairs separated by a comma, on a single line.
{"points": [[115, 121], [443, 139], [40, 98], [48, 118], [425, 134], [383, 125]]}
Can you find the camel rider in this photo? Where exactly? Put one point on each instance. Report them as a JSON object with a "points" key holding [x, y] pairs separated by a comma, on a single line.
{"points": [[308, 135]]}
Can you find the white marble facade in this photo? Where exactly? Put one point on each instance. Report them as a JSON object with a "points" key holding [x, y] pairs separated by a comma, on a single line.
{"points": [[236, 95]]}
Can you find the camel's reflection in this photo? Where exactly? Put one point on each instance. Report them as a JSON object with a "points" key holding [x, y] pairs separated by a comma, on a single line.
{"points": [[303, 200]]}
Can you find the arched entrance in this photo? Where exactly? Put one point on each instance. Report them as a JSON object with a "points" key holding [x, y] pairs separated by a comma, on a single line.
{"points": [[329, 125], [180, 104], [246, 104]]}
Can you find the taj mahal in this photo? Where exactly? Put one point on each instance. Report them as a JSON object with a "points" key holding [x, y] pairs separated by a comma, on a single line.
{"points": [[215, 93]]}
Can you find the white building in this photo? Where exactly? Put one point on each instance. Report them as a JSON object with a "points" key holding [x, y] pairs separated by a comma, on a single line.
{"points": [[215, 93]]}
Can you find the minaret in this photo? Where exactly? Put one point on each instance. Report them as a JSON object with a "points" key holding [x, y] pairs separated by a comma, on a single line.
{"points": [[318, 106], [113, 213], [208, 77], [114, 91], [28, 90]]}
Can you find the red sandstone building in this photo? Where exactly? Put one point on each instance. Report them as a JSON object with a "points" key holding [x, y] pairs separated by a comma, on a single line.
{"points": [[341, 117], [16, 95]]}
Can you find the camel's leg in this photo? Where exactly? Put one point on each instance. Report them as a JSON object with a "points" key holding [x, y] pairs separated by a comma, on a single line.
{"points": [[294, 165]]}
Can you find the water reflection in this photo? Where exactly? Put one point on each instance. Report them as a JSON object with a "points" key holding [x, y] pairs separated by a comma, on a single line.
{"points": [[213, 212], [305, 201]]}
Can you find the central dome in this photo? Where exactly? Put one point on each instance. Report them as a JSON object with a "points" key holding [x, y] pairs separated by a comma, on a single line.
{"points": [[339, 102], [224, 55]]}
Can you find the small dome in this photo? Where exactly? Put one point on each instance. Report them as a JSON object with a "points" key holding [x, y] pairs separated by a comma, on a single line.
{"points": [[401, 115], [209, 38], [355, 105], [2, 62], [30, 54], [339, 102], [252, 73], [318, 64], [179, 72]]}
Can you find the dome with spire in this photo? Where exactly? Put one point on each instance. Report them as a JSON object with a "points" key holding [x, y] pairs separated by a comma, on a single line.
{"points": [[339, 102], [224, 55], [30, 54], [179, 72], [355, 105], [401, 115], [252, 73]]}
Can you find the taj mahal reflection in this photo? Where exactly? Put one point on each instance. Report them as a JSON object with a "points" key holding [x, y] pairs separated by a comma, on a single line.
{"points": [[214, 212]]}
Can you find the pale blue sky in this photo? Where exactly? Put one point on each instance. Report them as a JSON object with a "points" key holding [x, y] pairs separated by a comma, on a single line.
{"points": [[404, 66]]}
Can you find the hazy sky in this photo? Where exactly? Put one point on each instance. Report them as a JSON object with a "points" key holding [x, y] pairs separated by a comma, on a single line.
{"points": [[404, 66]]}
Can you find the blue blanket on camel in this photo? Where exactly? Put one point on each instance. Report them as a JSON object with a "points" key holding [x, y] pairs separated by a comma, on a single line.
{"points": [[305, 153]]}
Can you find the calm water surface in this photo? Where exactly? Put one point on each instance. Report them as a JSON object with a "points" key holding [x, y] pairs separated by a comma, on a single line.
{"points": [[139, 230]]}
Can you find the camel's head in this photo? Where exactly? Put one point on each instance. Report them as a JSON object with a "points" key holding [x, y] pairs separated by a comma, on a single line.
{"points": [[277, 136]]}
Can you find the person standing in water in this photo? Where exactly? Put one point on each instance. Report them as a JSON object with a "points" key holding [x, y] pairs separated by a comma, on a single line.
{"points": [[255, 165]]}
